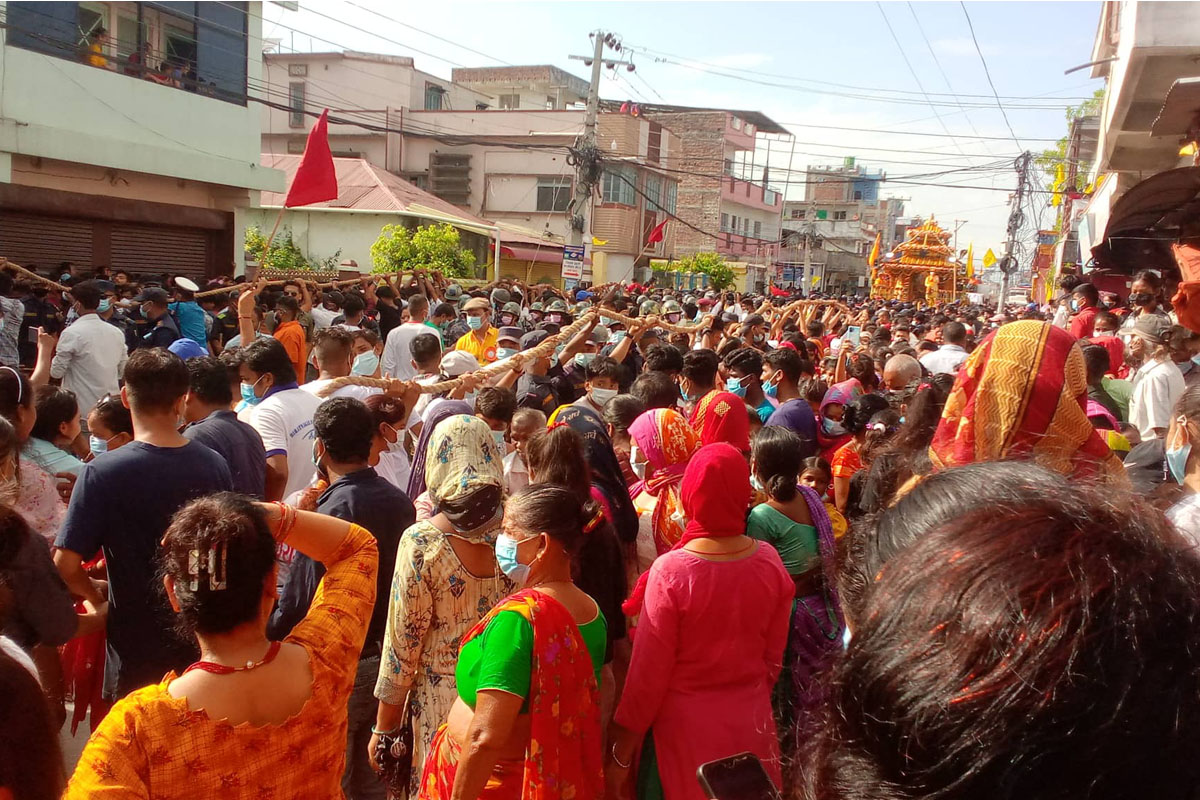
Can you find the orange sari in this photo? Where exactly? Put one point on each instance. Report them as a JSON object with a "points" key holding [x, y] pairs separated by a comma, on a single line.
{"points": [[564, 759]]}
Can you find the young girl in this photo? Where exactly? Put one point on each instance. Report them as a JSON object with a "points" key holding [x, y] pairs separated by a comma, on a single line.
{"points": [[847, 459], [817, 475]]}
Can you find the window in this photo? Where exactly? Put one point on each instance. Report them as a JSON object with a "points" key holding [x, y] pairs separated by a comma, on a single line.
{"points": [[510, 101], [757, 229], [298, 70], [618, 186], [857, 195], [733, 223], [839, 215], [654, 143], [550, 103], [724, 222], [798, 213], [672, 194], [433, 97], [749, 129], [653, 192], [553, 194], [91, 17], [736, 122], [179, 43], [728, 166], [128, 37], [296, 103]]}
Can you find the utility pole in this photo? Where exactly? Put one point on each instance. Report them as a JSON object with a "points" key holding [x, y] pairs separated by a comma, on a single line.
{"points": [[810, 236], [586, 158], [1008, 264]]}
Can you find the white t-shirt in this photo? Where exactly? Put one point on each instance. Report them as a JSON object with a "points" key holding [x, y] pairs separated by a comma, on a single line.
{"points": [[516, 474], [1157, 387], [1185, 516], [395, 468], [285, 422], [323, 317], [397, 355], [357, 392]]}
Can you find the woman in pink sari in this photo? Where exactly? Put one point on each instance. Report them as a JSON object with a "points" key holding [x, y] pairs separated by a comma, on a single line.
{"points": [[710, 642], [662, 442]]}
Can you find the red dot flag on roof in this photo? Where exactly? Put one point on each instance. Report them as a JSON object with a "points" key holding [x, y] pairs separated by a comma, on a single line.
{"points": [[316, 179]]}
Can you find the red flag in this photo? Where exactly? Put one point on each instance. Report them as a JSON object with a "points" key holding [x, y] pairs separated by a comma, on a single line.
{"points": [[656, 235], [316, 179]]}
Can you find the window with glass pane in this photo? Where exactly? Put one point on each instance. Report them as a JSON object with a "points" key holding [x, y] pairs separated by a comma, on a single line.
{"points": [[618, 186], [757, 229], [671, 196], [553, 194], [510, 101], [296, 103], [433, 97], [653, 192]]}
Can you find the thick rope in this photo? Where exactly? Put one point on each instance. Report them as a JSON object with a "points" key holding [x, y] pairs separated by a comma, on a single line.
{"points": [[17, 268]]}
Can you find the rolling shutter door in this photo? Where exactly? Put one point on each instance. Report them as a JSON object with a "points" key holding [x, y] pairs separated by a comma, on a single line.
{"points": [[29, 239], [151, 249]]}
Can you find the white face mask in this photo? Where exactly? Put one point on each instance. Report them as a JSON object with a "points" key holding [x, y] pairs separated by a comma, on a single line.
{"points": [[601, 396], [638, 466]]}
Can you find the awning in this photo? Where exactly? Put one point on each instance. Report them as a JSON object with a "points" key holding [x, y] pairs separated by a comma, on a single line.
{"points": [[550, 254], [1146, 219]]}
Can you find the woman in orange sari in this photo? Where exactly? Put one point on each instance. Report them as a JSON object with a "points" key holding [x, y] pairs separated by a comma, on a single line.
{"points": [[1022, 394], [526, 723]]}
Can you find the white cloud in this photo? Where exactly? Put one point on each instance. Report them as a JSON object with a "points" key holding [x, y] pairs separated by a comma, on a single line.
{"points": [[739, 60], [963, 46]]}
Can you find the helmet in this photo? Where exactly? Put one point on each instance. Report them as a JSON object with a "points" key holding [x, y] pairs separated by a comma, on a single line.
{"points": [[642, 298], [536, 305], [582, 306], [511, 308], [453, 292], [687, 298], [500, 296], [557, 305], [672, 307], [648, 308]]}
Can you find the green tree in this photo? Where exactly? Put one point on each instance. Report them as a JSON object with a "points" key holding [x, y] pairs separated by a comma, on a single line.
{"points": [[720, 276], [285, 254], [1051, 158], [431, 247]]}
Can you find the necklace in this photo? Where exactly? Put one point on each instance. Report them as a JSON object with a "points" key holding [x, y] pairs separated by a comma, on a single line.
{"points": [[223, 669]]}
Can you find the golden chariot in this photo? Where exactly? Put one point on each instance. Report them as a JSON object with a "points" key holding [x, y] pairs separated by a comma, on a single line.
{"points": [[922, 267]]}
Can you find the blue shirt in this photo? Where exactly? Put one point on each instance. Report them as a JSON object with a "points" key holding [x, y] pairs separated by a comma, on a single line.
{"points": [[240, 446], [191, 319], [122, 504], [798, 415], [366, 499], [50, 457]]}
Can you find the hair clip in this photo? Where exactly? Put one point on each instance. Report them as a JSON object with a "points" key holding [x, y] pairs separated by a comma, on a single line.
{"points": [[924, 386], [878, 426], [216, 566], [193, 570]]}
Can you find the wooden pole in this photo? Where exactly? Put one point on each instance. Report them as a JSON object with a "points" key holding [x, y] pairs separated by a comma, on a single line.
{"points": [[271, 238]]}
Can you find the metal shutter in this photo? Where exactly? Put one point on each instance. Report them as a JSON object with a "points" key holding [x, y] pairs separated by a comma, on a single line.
{"points": [[151, 249], [45, 241]]}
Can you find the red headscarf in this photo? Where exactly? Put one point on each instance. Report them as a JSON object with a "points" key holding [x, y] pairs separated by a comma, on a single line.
{"points": [[715, 493], [1116, 353], [722, 417]]}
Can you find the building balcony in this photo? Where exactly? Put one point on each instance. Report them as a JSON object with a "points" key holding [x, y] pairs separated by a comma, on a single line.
{"points": [[735, 244], [748, 193]]}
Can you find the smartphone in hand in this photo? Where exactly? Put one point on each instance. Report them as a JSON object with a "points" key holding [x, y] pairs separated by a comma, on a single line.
{"points": [[739, 777]]}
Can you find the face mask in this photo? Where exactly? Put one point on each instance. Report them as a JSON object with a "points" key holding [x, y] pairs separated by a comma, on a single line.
{"points": [[638, 467], [398, 445], [759, 337], [607, 321], [757, 484], [583, 359], [248, 393], [556, 319], [736, 386], [1074, 304], [499, 437], [672, 318], [832, 427], [536, 316], [618, 337], [506, 558], [105, 306], [316, 459], [505, 352], [679, 518], [771, 389], [1196, 360], [474, 323], [1177, 457], [1140, 298], [601, 396], [97, 445], [365, 363], [506, 319]]}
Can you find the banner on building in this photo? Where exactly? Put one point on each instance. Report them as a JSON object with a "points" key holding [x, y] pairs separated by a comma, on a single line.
{"points": [[572, 262]]}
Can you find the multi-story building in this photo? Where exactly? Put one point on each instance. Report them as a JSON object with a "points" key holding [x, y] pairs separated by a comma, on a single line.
{"points": [[841, 214], [137, 149], [512, 167], [373, 89], [727, 202], [520, 88]]}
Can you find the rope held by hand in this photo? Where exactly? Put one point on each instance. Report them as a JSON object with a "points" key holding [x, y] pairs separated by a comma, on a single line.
{"points": [[17, 268]]}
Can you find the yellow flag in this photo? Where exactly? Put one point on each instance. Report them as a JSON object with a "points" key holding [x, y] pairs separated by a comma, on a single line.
{"points": [[874, 256], [989, 258], [970, 261], [1060, 178], [816, 279], [599, 242]]}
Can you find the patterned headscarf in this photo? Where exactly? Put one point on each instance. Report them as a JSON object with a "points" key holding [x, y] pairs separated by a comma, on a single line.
{"points": [[668, 442], [602, 461], [444, 409], [462, 459], [722, 417], [1022, 394]]}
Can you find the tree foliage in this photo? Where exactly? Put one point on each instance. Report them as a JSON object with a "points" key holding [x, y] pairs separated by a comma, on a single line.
{"points": [[720, 275], [431, 247], [285, 254], [1051, 158]]}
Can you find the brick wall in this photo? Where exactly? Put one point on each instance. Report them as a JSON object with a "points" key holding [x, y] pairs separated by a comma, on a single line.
{"points": [[702, 147], [833, 190]]}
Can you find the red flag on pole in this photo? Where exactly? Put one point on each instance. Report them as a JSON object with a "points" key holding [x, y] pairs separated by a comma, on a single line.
{"points": [[316, 179], [656, 235]]}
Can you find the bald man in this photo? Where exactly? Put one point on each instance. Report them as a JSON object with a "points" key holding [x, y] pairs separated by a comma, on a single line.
{"points": [[900, 371]]}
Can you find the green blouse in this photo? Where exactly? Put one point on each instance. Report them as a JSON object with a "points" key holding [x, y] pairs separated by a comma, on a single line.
{"points": [[502, 656], [795, 542]]}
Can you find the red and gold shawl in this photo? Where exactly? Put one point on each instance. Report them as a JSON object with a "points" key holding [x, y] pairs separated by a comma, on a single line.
{"points": [[1021, 395], [565, 755], [722, 417]]}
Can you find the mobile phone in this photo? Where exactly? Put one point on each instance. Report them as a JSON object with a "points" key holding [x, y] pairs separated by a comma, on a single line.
{"points": [[32, 335], [853, 335], [739, 777]]}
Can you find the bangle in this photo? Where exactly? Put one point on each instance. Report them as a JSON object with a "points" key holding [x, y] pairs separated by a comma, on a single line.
{"points": [[287, 519], [378, 732], [616, 760], [241, 316]]}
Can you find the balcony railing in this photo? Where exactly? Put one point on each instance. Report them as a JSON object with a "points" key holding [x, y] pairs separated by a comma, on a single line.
{"points": [[739, 190]]}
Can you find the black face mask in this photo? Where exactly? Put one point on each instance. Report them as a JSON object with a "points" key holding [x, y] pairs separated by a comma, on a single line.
{"points": [[1140, 298]]}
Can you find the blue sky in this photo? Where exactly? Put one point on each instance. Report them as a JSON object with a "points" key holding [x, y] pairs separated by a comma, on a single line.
{"points": [[815, 50]]}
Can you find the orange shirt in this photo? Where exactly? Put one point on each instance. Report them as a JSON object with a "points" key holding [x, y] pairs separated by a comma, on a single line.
{"points": [[846, 461], [291, 336], [153, 745]]}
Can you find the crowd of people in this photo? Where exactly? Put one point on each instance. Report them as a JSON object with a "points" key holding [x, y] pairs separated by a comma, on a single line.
{"points": [[406, 538]]}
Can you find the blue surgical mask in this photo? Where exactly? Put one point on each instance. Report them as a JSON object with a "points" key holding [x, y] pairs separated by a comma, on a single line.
{"points": [[248, 393], [606, 321], [105, 306], [365, 363], [1074, 304], [583, 359], [506, 558], [757, 484], [1177, 457], [97, 445], [1196, 360], [832, 427], [618, 336], [771, 389], [474, 323], [601, 396], [505, 352], [736, 386], [499, 437]]}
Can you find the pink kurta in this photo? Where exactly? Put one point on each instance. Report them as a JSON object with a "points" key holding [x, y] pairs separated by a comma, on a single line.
{"points": [[708, 649]]}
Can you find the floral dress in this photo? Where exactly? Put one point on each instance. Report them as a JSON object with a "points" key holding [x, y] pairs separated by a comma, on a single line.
{"points": [[434, 602]]}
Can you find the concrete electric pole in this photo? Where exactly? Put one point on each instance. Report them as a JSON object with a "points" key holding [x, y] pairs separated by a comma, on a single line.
{"points": [[1008, 263]]}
